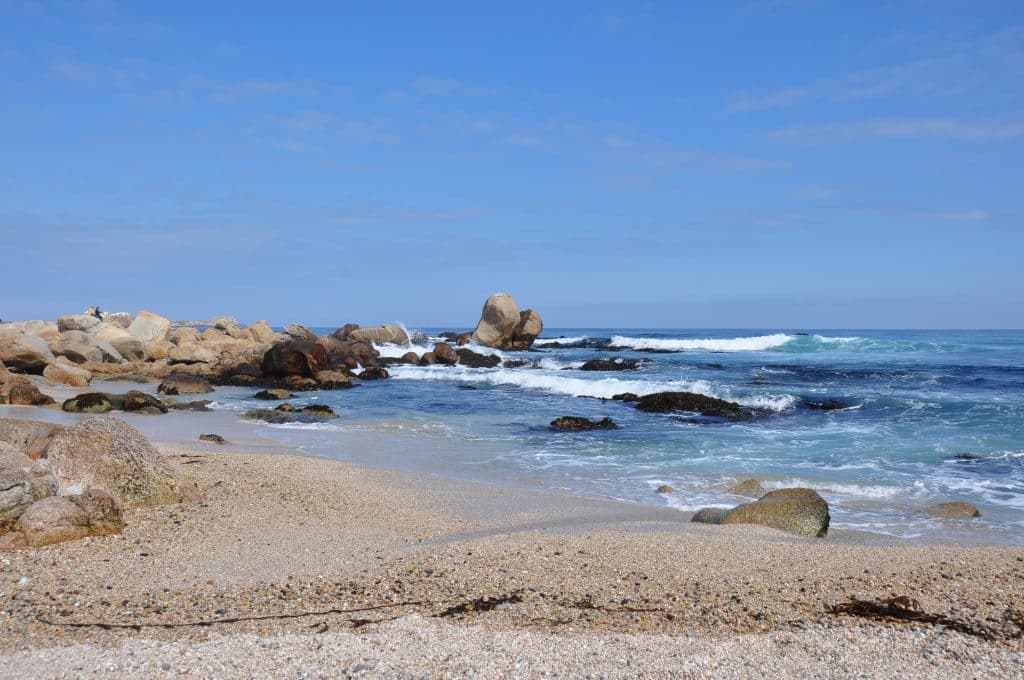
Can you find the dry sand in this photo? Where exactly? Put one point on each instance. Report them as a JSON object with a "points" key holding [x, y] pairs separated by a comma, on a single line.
{"points": [[337, 569]]}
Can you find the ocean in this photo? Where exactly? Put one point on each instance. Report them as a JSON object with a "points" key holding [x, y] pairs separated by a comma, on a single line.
{"points": [[922, 417]]}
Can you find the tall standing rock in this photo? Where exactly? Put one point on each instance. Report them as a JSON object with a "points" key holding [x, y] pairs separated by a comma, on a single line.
{"points": [[498, 321], [503, 326]]}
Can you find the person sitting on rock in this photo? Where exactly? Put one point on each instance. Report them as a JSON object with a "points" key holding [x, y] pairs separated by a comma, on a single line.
{"points": [[95, 311]]}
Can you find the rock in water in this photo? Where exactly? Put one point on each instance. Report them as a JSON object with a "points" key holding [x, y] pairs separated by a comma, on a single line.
{"points": [[90, 402], [579, 424], [107, 453], [748, 487], [529, 329], [140, 402], [665, 488], [213, 439], [375, 373], [468, 357], [609, 365], [444, 354], [498, 321], [796, 511], [295, 358], [666, 402], [273, 395], [183, 383], [954, 510]]}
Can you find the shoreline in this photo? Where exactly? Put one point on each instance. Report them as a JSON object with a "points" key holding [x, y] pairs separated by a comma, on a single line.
{"points": [[285, 535]]}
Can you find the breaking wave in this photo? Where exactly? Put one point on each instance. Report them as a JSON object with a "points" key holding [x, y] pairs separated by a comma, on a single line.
{"points": [[753, 344]]}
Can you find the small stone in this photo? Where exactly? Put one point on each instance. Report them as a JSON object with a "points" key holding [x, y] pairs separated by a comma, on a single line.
{"points": [[665, 488]]}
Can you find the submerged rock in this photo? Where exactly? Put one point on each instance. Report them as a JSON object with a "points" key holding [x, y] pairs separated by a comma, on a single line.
{"points": [[796, 511], [953, 510], [747, 487], [471, 359], [273, 394], [825, 404], [195, 405], [213, 439], [609, 365], [665, 488], [276, 417], [627, 397], [184, 383], [667, 402], [89, 402], [579, 424], [140, 402]]}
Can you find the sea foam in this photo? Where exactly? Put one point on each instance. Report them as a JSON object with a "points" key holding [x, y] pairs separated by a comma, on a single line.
{"points": [[752, 344]]}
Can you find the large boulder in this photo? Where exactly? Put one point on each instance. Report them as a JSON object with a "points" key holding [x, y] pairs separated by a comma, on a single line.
{"points": [[90, 402], [80, 322], [28, 395], [192, 353], [23, 481], [135, 401], [471, 359], [529, 329], [262, 332], [158, 349], [148, 327], [498, 321], [67, 374], [333, 380], [56, 518], [81, 347], [385, 333], [444, 354], [690, 402], [108, 454], [796, 511], [299, 332], [953, 510], [25, 353], [295, 358], [182, 383], [126, 344], [180, 336]]}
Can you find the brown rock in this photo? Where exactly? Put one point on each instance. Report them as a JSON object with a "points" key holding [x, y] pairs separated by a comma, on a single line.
{"points": [[53, 520], [374, 373], [953, 510], [665, 488], [498, 321], [428, 359], [67, 374], [297, 383], [796, 511], [273, 394], [148, 327], [183, 383], [28, 395], [186, 334], [747, 487], [89, 402], [140, 402], [529, 329], [262, 332], [333, 380], [295, 358], [192, 353], [410, 358], [444, 354], [25, 353], [300, 332]]}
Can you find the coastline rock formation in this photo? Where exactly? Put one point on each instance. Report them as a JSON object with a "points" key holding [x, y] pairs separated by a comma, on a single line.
{"points": [[503, 326], [64, 483], [690, 402], [581, 424], [796, 511]]}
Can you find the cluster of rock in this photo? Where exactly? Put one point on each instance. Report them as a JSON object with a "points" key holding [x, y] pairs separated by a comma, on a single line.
{"points": [[503, 326], [63, 483]]}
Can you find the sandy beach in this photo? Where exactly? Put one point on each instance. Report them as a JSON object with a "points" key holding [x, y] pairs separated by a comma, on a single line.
{"points": [[305, 567]]}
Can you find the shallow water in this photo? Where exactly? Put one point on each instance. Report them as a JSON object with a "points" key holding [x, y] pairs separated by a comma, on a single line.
{"points": [[929, 417]]}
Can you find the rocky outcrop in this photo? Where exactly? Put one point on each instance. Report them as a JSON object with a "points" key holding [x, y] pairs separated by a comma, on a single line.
{"points": [[690, 402], [127, 345], [580, 424], [471, 359], [299, 332], [262, 332], [106, 453], [86, 323], [953, 510], [24, 353], [148, 327], [67, 374], [374, 373], [295, 358], [529, 329], [498, 321], [385, 333], [796, 511], [444, 354], [609, 365], [183, 383]]}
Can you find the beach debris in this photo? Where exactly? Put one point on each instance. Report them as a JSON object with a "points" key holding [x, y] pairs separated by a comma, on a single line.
{"points": [[481, 604], [953, 510], [907, 609], [580, 424], [794, 510]]}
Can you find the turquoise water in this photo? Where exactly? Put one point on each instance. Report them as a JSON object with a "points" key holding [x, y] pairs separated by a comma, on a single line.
{"points": [[927, 417]]}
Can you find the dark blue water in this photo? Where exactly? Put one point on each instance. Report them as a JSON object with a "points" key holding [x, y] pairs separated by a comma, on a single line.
{"points": [[927, 417]]}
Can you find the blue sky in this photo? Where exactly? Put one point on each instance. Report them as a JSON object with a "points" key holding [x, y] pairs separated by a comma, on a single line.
{"points": [[775, 163]]}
